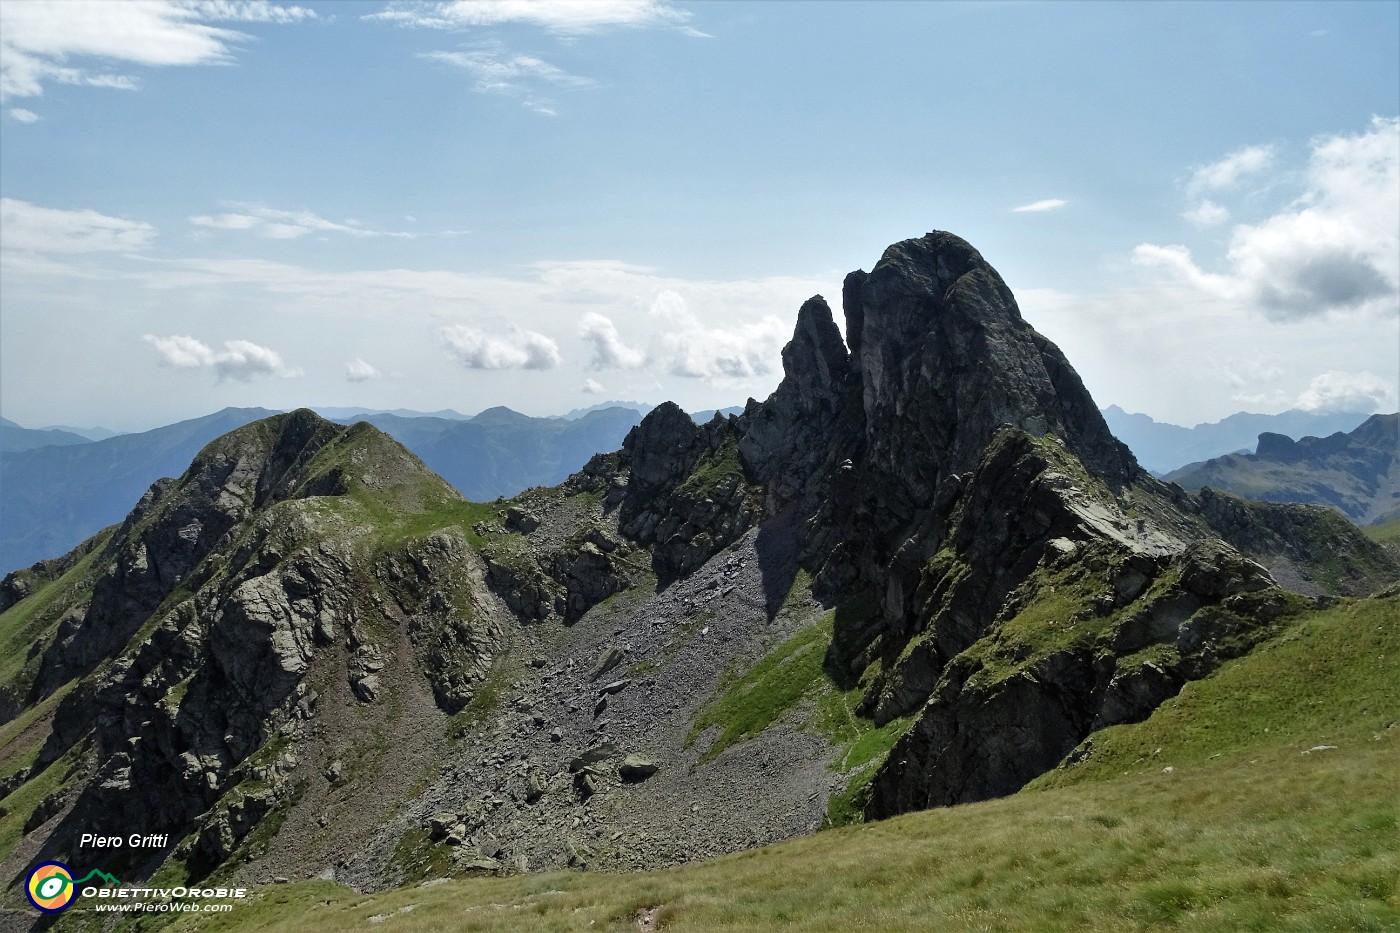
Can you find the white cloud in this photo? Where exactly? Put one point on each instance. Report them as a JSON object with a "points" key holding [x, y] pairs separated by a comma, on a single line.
{"points": [[1193, 357], [40, 39], [1207, 214], [29, 227], [284, 225], [495, 71], [1178, 259], [249, 11], [240, 360], [1340, 391], [711, 330], [563, 17], [227, 221], [739, 351], [357, 370], [593, 387], [1228, 171], [180, 351], [516, 349], [1336, 248], [20, 115], [1036, 207], [609, 352]]}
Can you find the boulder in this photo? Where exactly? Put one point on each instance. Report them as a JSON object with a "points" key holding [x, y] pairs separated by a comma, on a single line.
{"points": [[635, 768]]}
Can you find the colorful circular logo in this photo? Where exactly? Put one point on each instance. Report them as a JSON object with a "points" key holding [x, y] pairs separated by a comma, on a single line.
{"points": [[50, 887]]}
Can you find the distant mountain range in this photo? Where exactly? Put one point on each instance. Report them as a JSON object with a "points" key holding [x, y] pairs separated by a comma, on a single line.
{"points": [[98, 433], [13, 437], [1163, 447], [54, 496], [641, 407], [1358, 474], [501, 452], [700, 417], [347, 414], [57, 488]]}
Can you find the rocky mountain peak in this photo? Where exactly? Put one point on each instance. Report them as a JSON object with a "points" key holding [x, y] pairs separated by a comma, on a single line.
{"points": [[946, 359], [816, 356], [661, 446], [876, 441]]}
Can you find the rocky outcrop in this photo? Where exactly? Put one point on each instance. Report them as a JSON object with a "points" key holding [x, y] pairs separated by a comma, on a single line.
{"points": [[224, 590], [435, 584], [1309, 548], [681, 489], [797, 443], [941, 360], [174, 527]]}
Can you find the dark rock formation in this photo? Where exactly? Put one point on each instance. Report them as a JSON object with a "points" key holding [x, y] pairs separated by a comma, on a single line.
{"points": [[687, 494]]}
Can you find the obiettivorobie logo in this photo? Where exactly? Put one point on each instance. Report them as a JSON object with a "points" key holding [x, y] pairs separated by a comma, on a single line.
{"points": [[52, 889]]}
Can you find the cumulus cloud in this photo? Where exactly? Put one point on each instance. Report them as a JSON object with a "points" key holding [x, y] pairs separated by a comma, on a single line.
{"points": [[357, 370], [1228, 172], [40, 41], [516, 349], [20, 115], [716, 330], [593, 387], [739, 351], [1207, 214], [1341, 391], [609, 352], [29, 227], [284, 225], [563, 17], [1336, 248], [1038, 207], [239, 360]]}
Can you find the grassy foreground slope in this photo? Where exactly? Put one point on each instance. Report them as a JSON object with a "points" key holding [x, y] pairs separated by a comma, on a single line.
{"points": [[1262, 798]]}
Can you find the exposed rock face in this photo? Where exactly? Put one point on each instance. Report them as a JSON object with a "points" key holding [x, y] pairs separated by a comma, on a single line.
{"points": [[686, 494], [791, 442], [942, 360], [240, 580], [174, 527]]}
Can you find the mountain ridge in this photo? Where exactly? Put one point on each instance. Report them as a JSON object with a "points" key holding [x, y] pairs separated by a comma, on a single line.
{"points": [[1163, 447], [1357, 473]]}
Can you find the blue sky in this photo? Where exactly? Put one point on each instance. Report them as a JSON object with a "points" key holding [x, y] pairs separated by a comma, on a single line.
{"points": [[546, 205]]}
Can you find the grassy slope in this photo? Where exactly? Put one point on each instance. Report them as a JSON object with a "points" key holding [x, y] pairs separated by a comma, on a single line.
{"points": [[1387, 535], [1248, 830]]}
